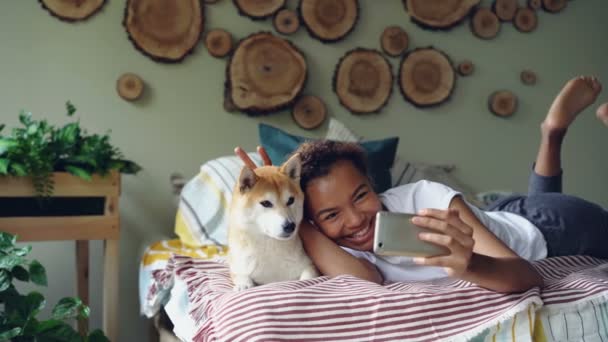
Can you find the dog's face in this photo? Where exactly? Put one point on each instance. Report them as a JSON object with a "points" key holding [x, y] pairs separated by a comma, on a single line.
{"points": [[270, 200]]}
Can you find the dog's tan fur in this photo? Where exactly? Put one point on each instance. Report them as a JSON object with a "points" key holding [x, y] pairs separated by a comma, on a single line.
{"points": [[261, 251]]}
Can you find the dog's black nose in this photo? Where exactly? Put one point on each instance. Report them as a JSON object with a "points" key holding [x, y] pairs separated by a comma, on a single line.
{"points": [[289, 227]]}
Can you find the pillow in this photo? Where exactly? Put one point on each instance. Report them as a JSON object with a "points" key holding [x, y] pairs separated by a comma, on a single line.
{"points": [[202, 213], [339, 132], [380, 153]]}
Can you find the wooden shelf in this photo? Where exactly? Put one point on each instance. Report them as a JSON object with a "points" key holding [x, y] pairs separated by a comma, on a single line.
{"points": [[105, 226]]}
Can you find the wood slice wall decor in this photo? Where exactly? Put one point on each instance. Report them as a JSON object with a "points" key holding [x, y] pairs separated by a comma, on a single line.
{"points": [[165, 31], [329, 20], [505, 9], [426, 77], [525, 20], [528, 77], [502, 103], [439, 14], [465, 68], [554, 6], [229, 105], [535, 4], [485, 23], [286, 21], [72, 10], [363, 81], [218, 42], [309, 112], [258, 9], [266, 73], [129, 86], [394, 41]]}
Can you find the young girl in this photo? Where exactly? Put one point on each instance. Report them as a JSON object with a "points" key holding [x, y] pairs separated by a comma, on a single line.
{"points": [[490, 248]]}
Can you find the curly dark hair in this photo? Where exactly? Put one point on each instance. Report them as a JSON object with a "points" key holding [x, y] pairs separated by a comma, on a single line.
{"points": [[318, 156]]}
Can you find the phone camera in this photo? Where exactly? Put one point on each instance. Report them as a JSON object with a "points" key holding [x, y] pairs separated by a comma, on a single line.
{"points": [[380, 244]]}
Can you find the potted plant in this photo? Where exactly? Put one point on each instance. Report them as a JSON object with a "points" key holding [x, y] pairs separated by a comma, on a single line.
{"points": [[60, 183], [39, 149], [18, 312]]}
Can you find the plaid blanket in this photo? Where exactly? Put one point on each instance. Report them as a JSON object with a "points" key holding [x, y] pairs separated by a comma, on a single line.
{"points": [[347, 308]]}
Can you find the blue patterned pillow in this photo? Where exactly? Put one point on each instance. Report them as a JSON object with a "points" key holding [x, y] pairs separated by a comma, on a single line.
{"points": [[380, 153]]}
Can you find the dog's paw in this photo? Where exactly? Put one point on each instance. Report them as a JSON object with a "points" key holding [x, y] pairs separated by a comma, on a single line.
{"points": [[309, 273], [242, 283]]}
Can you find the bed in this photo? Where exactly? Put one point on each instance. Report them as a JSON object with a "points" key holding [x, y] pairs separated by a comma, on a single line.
{"points": [[196, 294], [185, 287]]}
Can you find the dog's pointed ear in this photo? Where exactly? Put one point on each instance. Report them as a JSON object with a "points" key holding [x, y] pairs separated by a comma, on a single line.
{"points": [[293, 167], [247, 179]]}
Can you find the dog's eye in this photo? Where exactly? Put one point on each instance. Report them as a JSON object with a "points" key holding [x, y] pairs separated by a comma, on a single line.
{"points": [[290, 200], [266, 204]]}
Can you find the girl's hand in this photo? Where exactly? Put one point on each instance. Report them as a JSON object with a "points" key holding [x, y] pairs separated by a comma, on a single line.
{"points": [[248, 162], [452, 233]]}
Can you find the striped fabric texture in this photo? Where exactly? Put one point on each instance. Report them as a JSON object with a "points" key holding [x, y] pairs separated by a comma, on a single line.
{"points": [[346, 308]]}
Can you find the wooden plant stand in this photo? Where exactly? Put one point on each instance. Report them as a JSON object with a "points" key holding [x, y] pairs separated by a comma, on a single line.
{"points": [[81, 229]]}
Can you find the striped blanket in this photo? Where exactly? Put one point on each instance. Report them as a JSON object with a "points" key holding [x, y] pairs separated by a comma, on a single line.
{"points": [[347, 308]]}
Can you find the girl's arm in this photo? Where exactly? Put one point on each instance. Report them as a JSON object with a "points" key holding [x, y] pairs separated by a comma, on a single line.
{"points": [[477, 255], [331, 260]]}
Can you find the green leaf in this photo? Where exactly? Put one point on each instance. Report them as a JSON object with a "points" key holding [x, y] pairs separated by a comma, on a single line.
{"points": [[79, 172], [5, 280], [97, 336], [4, 166], [70, 108], [20, 273], [67, 308], [86, 159], [35, 302], [85, 312], [7, 295], [23, 251], [32, 129], [25, 118], [22, 309], [129, 167], [62, 332], [37, 273], [7, 240], [8, 334], [7, 262], [47, 325], [18, 169], [6, 144]]}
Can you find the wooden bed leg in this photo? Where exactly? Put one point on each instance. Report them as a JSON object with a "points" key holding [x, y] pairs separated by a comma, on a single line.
{"points": [[82, 279], [110, 289]]}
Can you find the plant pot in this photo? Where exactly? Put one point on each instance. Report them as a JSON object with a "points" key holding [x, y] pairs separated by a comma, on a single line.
{"points": [[77, 209]]}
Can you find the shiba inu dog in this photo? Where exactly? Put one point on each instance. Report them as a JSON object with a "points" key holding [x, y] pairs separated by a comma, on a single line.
{"points": [[265, 212]]}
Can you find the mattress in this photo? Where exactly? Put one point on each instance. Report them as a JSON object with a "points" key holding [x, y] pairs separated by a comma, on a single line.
{"points": [[195, 289]]}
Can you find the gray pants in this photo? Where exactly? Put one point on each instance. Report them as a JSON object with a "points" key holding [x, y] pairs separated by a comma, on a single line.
{"points": [[571, 225]]}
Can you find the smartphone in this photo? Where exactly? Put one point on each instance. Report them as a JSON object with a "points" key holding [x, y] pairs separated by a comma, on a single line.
{"points": [[395, 234]]}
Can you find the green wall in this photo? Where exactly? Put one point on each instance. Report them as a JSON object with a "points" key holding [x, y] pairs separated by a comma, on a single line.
{"points": [[180, 122]]}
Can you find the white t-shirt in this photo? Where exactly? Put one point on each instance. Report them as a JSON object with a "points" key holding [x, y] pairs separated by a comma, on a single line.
{"points": [[515, 231]]}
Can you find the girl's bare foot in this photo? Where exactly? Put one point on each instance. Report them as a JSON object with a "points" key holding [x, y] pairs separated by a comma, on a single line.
{"points": [[602, 113], [575, 96]]}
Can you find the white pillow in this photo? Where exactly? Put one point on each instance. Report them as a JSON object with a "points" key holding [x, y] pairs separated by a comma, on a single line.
{"points": [[339, 132], [202, 213]]}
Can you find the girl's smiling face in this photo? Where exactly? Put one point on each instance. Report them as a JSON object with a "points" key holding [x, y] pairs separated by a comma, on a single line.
{"points": [[343, 205]]}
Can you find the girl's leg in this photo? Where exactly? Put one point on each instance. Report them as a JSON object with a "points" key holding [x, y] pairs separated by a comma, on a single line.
{"points": [[575, 96]]}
